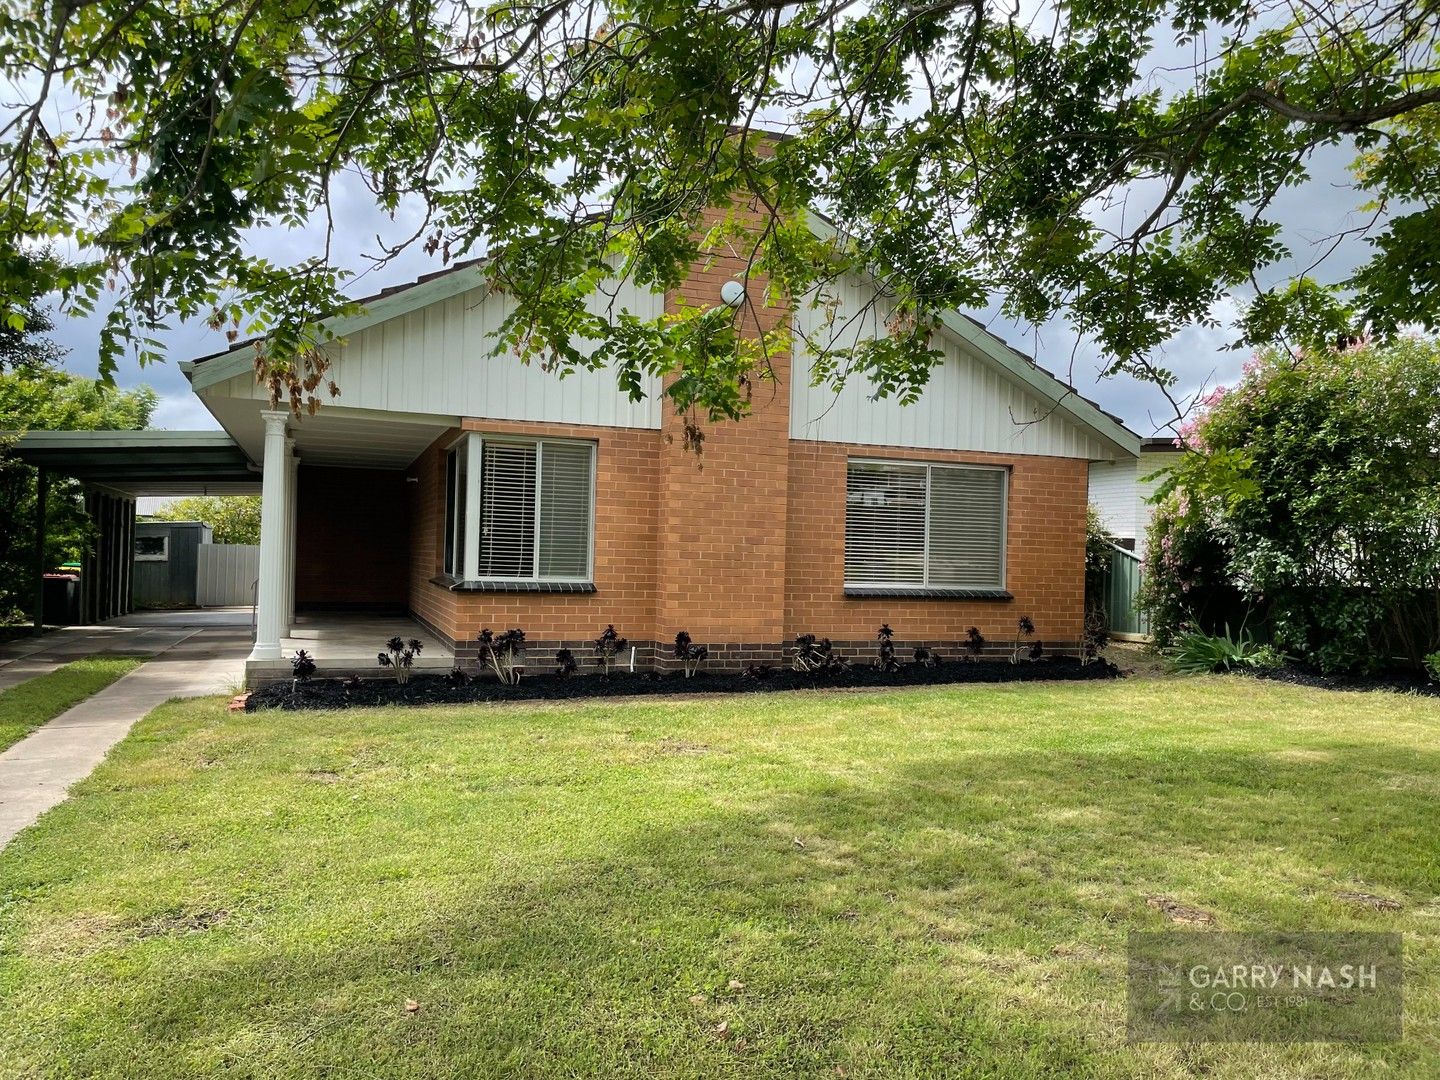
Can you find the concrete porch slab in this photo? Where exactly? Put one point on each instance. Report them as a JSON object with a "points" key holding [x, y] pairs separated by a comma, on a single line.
{"points": [[343, 645]]}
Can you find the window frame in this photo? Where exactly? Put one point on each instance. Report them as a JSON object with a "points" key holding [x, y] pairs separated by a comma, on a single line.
{"points": [[926, 588], [163, 555], [472, 444]]}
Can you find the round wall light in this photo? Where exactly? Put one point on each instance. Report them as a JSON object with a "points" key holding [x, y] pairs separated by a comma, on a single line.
{"points": [[732, 292]]}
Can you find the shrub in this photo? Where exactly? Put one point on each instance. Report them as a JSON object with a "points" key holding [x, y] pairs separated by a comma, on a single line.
{"points": [[505, 653], [756, 671], [974, 643], [927, 657], [816, 654], [1024, 630], [607, 646], [1096, 636], [1317, 476], [885, 659], [1432, 665], [302, 666], [457, 677], [1185, 559], [1099, 542], [689, 654], [1196, 652], [565, 664], [399, 656]]}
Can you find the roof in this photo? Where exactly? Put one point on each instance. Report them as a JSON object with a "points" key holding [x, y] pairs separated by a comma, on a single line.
{"points": [[143, 462], [1164, 444], [430, 288]]}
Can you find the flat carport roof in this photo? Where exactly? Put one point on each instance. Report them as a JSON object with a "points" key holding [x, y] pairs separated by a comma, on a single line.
{"points": [[144, 462]]}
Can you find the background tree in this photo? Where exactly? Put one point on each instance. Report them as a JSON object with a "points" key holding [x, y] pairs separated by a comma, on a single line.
{"points": [[1318, 494], [36, 397], [235, 519], [1061, 160]]}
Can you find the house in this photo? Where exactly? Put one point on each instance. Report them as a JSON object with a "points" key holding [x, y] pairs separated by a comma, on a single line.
{"points": [[1121, 489], [468, 490]]}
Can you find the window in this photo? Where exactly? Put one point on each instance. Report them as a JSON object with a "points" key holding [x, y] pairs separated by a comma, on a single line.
{"points": [[519, 509], [920, 526], [152, 548]]}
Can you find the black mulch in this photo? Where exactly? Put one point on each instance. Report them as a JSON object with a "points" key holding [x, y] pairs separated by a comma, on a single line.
{"points": [[441, 690], [1396, 682]]}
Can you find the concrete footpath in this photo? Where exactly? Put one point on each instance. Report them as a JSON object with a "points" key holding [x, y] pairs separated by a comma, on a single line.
{"points": [[36, 772], [26, 658]]}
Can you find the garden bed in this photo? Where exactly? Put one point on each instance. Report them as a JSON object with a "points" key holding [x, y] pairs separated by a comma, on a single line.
{"points": [[1396, 681], [442, 690]]}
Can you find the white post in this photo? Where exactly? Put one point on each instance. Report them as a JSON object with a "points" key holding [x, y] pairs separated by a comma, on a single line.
{"points": [[274, 500]]}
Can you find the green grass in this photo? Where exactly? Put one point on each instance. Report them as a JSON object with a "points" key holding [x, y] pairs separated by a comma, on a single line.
{"points": [[917, 883], [25, 707]]}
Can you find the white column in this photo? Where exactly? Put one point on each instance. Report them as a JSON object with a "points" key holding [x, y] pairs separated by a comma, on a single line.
{"points": [[274, 502]]}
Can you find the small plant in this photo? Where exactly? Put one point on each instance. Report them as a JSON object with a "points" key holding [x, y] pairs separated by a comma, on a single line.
{"points": [[1096, 636], [302, 666], [689, 654], [816, 654], [885, 660], [927, 657], [607, 646], [1268, 657], [756, 671], [400, 656], [1196, 652], [505, 653], [352, 683], [974, 643], [457, 677], [565, 664], [1024, 630], [1432, 666]]}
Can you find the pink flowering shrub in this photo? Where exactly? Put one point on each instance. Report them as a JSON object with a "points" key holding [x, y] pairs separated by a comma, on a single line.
{"points": [[1314, 487]]}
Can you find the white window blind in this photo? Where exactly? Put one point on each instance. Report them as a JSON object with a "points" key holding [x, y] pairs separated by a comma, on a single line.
{"points": [[565, 513], [507, 509], [924, 526], [535, 501]]}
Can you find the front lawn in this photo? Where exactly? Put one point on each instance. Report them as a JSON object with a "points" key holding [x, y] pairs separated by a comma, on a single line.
{"points": [[928, 882], [26, 706]]}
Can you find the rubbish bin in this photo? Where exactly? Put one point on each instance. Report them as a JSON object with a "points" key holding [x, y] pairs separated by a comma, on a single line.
{"points": [[62, 599]]}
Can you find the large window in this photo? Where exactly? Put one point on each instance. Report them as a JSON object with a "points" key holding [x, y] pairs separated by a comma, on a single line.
{"points": [[919, 526], [519, 509]]}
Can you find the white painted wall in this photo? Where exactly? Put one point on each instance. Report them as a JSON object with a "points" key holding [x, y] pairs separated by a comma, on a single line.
{"points": [[969, 404], [1120, 492], [437, 361]]}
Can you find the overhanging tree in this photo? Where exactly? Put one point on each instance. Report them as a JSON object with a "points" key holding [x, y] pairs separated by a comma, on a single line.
{"points": [[962, 150]]}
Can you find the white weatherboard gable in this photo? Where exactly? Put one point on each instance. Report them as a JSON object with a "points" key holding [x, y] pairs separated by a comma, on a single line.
{"points": [[970, 402], [437, 359]]}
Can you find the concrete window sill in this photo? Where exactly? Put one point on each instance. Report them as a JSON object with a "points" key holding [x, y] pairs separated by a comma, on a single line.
{"points": [[873, 591]]}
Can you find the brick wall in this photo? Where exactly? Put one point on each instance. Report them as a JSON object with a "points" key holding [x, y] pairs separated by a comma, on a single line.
{"points": [[722, 513], [626, 496], [341, 558], [1044, 556]]}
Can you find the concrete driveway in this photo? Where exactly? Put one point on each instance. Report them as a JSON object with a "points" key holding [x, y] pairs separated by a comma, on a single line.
{"points": [[192, 654]]}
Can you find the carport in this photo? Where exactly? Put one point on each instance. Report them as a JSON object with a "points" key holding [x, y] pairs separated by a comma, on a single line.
{"points": [[115, 468]]}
